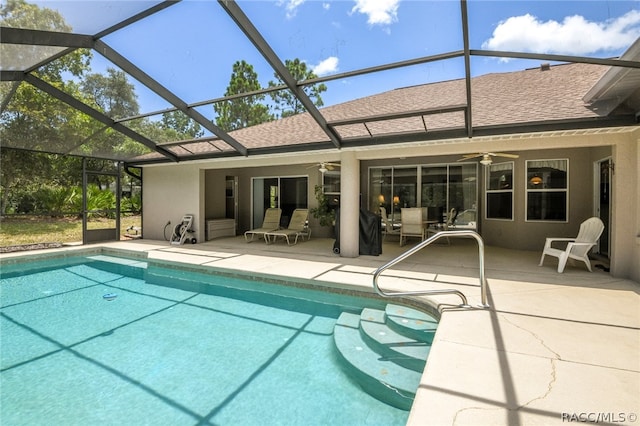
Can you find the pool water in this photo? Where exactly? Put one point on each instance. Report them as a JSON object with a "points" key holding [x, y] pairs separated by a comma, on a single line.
{"points": [[172, 348]]}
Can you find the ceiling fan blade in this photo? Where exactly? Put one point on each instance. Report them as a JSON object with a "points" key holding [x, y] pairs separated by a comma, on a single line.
{"points": [[470, 156], [502, 154]]}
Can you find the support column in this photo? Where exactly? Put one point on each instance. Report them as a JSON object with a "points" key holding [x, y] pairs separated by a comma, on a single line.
{"points": [[349, 205]]}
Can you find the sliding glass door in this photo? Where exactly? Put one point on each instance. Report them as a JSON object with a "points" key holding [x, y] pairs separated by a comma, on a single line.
{"points": [[287, 193], [434, 191], [393, 189], [441, 188], [462, 194]]}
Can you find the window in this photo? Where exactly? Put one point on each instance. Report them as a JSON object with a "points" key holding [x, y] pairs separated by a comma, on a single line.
{"points": [[331, 182], [331, 188], [547, 190], [499, 193]]}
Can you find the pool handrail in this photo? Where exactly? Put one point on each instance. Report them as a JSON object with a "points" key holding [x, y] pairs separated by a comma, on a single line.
{"points": [[423, 244]]}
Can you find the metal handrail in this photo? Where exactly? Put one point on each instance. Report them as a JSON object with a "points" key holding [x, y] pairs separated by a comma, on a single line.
{"points": [[423, 244]]}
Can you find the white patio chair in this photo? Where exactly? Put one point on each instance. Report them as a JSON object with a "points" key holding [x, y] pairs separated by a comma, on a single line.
{"points": [[388, 228], [577, 248], [449, 223], [412, 224]]}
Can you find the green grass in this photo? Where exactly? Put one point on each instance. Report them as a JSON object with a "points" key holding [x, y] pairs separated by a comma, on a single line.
{"points": [[40, 229]]}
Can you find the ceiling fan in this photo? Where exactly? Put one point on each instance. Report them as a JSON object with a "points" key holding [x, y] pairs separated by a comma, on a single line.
{"points": [[324, 166], [486, 156]]}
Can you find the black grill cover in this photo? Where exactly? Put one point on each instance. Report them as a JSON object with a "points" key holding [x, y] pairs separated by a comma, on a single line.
{"points": [[370, 233]]}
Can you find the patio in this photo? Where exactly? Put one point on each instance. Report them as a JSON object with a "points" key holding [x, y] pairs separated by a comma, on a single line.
{"points": [[552, 348]]}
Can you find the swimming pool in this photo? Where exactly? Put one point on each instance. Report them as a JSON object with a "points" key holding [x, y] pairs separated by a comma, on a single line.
{"points": [[172, 347]]}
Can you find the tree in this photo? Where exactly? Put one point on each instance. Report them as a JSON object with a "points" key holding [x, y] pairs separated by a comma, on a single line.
{"points": [[285, 101], [182, 124], [20, 14], [112, 94], [33, 119], [246, 111]]}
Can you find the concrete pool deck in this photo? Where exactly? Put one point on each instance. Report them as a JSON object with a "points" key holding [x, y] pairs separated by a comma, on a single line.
{"points": [[552, 348]]}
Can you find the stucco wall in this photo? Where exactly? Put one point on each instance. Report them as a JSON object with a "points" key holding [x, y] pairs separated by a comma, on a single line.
{"points": [[215, 194], [531, 235], [169, 193], [626, 233]]}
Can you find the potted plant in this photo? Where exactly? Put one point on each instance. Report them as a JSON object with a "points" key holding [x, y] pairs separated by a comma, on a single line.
{"points": [[323, 212]]}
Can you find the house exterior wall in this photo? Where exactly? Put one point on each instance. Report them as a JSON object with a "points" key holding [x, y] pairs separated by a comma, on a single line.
{"points": [[582, 150], [518, 233], [215, 194], [626, 195], [531, 235], [172, 190]]}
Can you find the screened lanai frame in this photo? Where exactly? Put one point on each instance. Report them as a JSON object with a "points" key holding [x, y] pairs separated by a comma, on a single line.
{"points": [[352, 131]]}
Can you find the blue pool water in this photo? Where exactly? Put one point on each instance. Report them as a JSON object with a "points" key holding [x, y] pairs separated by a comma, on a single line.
{"points": [[171, 348]]}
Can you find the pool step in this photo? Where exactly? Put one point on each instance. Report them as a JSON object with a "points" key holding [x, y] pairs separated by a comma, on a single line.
{"points": [[134, 268], [402, 350], [385, 361], [411, 323]]}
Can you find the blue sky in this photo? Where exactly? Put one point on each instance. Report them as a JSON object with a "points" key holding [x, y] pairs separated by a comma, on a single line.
{"points": [[190, 47]]}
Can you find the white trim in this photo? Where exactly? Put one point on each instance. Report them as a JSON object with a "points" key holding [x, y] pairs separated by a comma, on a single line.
{"points": [[596, 200]]}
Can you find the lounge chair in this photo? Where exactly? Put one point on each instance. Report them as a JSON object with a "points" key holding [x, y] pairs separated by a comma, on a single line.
{"points": [[577, 248], [297, 228], [270, 223]]}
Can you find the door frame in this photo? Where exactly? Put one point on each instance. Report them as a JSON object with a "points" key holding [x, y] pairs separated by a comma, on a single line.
{"points": [[598, 166]]}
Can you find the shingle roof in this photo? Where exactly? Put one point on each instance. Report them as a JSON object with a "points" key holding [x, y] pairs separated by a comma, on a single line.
{"points": [[535, 95], [526, 96]]}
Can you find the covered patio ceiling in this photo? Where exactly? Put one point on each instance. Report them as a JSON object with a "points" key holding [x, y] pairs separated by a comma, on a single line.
{"points": [[118, 33]]}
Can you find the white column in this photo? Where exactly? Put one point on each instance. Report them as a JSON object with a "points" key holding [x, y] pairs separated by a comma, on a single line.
{"points": [[349, 205]]}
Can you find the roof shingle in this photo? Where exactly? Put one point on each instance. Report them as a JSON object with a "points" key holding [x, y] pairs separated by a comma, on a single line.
{"points": [[498, 99]]}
